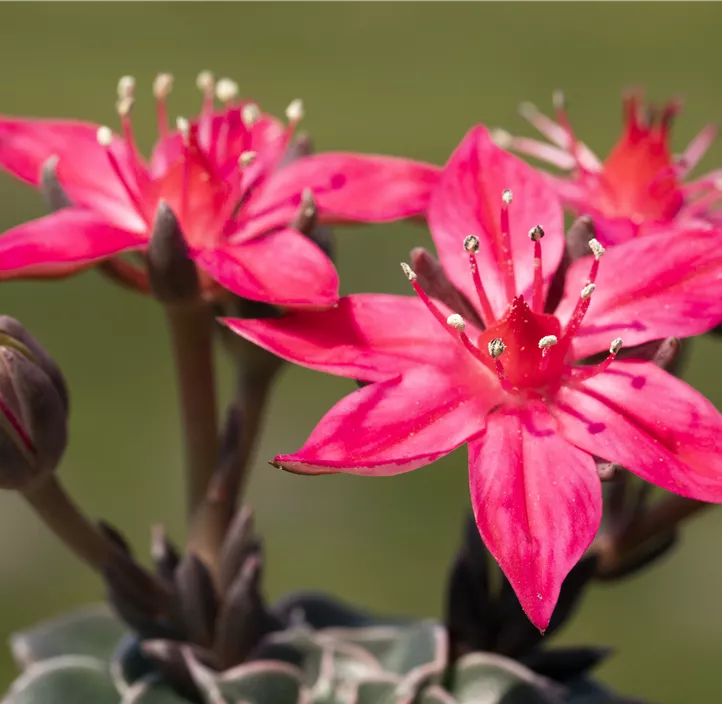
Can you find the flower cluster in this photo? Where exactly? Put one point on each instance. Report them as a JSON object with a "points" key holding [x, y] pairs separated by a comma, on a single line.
{"points": [[547, 356]]}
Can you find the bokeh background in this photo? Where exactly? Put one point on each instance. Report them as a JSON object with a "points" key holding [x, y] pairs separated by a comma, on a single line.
{"points": [[397, 78]]}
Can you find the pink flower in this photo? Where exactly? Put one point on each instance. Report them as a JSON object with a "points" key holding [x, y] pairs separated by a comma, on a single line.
{"points": [[639, 188], [220, 176], [506, 380]]}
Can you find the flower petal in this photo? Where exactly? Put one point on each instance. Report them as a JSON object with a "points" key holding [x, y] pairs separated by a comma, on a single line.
{"points": [[347, 187], [468, 201], [648, 289], [537, 501], [367, 336], [648, 421], [283, 267], [83, 167], [392, 426], [61, 244]]}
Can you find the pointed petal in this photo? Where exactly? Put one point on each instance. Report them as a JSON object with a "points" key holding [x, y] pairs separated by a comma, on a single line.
{"points": [[468, 201], [392, 426], [367, 336], [61, 244], [537, 501], [648, 289], [83, 166], [348, 187], [283, 267], [648, 421]]}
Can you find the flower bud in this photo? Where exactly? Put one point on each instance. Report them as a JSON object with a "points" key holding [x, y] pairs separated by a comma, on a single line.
{"points": [[33, 408]]}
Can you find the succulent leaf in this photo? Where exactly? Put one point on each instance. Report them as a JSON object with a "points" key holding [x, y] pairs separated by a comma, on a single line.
{"points": [[151, 690], [64, 680], [262, 682], [92, 631]]}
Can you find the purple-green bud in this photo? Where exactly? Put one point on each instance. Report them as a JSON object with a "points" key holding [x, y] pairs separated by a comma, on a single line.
{"points": [[33, 408]]}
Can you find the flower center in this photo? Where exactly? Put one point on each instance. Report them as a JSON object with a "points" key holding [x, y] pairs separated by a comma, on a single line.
{"points": [[526, 348], [207, 172], [639, 179]]}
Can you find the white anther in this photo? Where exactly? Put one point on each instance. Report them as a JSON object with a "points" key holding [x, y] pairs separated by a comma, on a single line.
{"points": [[456, 321], [104, 135], [162, 85], [183, 126], [126, 87], [547, 341], [559, 100], [124, 106], [250, 115], [206, 82], [246, 158], [528, 111], [616, 345], [501, 138], [226, 90], [506, 196], [294, 111], [596, 246], [471, 244], [410, 275], [587, 291], [496, 347], [536, 233]]}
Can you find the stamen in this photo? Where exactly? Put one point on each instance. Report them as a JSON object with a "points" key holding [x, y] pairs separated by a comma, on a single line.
{"points": [[456, 322], [250, 115], [226, 90], [162, 86], [580, 310], [545, 344], [411, 276], [185, 131], [104, 136], [471, 245], [294, 111], [507, 261], [537, 301], [598, 252], [126, 87], [582, 373], [496, 349], [183, 126], [246, 159], [206, 83]]}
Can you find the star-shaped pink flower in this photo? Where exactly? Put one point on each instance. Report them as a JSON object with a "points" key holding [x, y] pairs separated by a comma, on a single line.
{"points": [[222, 178], [506, 379], [640, 187]]}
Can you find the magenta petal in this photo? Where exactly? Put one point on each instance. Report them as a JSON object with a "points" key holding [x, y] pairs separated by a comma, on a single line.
{"points": [[648, 289], [61, 244], [348, 187], [367, 336], [468, 201], [537, 501], [651, 423], [83, 166], [392, 426], [283, 267]]}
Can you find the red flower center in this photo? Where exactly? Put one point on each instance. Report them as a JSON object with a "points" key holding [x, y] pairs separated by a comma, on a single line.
{"points": [[527, 348], [638, 178]]}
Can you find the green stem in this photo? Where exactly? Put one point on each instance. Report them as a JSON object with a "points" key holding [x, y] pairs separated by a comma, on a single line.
{"points": [[191, 329], [56, 509]]}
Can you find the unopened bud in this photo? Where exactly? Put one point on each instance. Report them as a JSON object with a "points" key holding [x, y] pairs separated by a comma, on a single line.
{"points": [[471, 244], [33, 408], [307, 215], [173, 275], [496, 347]]}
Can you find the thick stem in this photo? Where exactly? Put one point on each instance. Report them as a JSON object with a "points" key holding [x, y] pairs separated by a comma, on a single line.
{"points": [[191, 328], [56, 509], [216, 513]]}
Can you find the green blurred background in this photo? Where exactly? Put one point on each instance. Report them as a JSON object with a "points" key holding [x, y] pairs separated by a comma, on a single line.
{"points": [[406, 79]]}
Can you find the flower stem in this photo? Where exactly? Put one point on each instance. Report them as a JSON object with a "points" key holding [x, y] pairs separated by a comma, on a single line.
{"points": [[191, 329], [56, 509]]}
